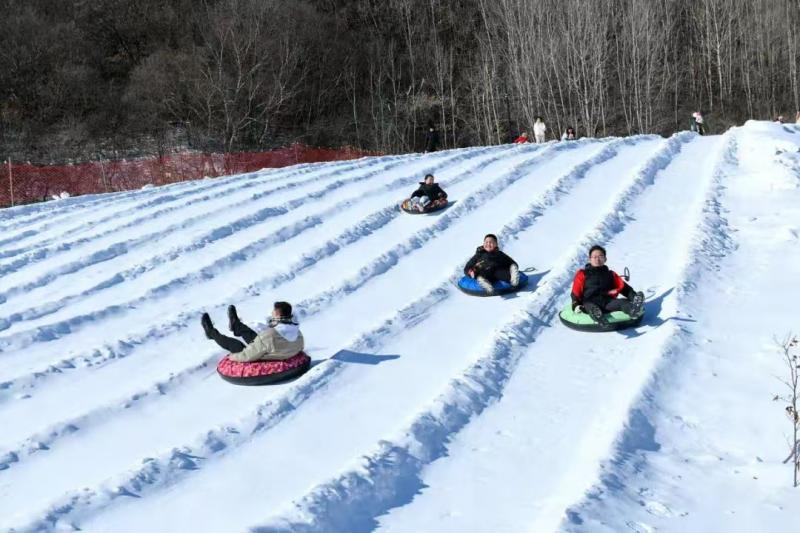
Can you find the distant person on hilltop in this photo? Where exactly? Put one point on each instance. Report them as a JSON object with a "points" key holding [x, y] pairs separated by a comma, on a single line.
{"points": [[569, 134], [539, 130], [779, 119], [431, 139], [523, 138], [697, 123]]}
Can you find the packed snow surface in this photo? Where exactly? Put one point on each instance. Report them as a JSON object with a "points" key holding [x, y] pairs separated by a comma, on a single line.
{"points": [[425, 409]]}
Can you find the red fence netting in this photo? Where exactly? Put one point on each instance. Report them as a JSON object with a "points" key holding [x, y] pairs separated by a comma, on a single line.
{"points": [[26, 183]]}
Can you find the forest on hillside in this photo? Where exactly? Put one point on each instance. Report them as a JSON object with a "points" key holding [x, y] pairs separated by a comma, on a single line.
{"points": [[81, 76]]}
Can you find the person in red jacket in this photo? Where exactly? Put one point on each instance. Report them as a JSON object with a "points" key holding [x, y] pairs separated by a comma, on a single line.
{"points": [[596, 287], [523, 138]]}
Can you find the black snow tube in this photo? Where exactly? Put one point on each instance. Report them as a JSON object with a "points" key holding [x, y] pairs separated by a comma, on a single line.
{"points": [[432, 207]]}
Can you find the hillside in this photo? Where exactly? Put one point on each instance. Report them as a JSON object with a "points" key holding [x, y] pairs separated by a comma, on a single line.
{"points": [[425, 409]]}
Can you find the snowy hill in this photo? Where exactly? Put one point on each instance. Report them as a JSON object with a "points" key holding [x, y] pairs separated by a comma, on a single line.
{"points": [[426, 409]]}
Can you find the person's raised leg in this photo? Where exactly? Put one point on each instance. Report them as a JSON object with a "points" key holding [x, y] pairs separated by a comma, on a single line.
{"points": [[238, 328], [226, 343], [485, 284], [513, 275]]}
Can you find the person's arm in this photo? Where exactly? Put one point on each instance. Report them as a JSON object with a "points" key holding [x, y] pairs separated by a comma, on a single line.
{"points": [[507, 261], [577, 289], [470, 266], [620, 287], [628, 292], [440, 192], [418, 193]]}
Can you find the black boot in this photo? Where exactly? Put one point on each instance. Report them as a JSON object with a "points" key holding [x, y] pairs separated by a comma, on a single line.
{"points": [[233, 318], [208, 326], [637, 305], [597, 314]]}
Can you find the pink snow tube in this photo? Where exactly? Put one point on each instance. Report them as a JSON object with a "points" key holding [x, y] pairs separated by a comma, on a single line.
{"points": [[263, 372]]}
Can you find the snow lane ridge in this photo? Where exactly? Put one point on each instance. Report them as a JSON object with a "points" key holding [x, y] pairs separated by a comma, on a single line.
{"points": [[220, 232], [200, 193], [270, 413], [74, 205], [49, 436], [711, 242], [353, 500], [123, 247], [249, 251]]}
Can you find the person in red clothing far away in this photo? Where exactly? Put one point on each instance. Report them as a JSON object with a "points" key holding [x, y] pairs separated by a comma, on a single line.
{"points": [[523, 138], [596, 287]]}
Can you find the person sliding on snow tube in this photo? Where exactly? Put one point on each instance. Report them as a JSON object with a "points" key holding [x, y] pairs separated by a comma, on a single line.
{"points": [[594, 292], [491, 272], [272, 355], [428, 197]]}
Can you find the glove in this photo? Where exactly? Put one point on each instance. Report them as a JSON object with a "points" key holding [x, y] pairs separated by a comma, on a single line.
{"points": [[579, 309], [471, 273]]}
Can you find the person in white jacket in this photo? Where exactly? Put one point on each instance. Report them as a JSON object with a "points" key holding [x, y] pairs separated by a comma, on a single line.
{"points": [[281, 340], [698, 124], [539, 130]]}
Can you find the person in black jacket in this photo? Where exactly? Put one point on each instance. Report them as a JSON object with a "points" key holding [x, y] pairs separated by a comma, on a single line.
{"points": [[431, 139], [489, 264], [427, 192], [596, 287]]}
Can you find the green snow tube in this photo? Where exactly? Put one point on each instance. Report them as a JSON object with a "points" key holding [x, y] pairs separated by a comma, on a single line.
{"points": [[583, 322]]}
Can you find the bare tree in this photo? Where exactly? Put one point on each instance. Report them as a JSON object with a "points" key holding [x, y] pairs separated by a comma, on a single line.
{"points": [[788, 348], [250, 73]]}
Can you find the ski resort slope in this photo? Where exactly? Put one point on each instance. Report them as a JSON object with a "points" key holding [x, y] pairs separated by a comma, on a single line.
{"points": [[425, 409]]}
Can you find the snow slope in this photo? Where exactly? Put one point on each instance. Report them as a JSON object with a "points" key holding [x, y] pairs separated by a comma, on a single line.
{"points": [[426, 409]]}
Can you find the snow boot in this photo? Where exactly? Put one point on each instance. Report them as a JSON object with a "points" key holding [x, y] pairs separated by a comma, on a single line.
{"points": [[208, 326], [423, 203], [637, 305], [485, 285], [596, 313], [233, 318], [514, 275]]}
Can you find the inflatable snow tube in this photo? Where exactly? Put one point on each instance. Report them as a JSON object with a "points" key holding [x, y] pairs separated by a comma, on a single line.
{"points": [[470, 286], [583, 322], [263, 372], [436, 205]]}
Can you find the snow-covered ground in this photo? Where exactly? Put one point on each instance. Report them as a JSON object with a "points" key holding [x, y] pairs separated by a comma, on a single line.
{"points": [[426, 409]]}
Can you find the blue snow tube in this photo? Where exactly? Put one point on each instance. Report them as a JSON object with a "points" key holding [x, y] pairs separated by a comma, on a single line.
{"points": [[470, 286]]}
